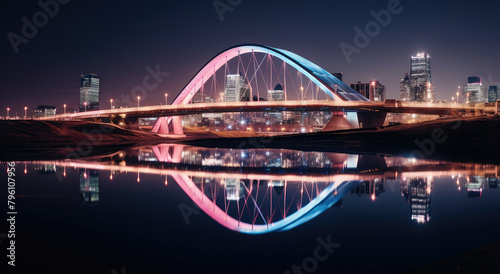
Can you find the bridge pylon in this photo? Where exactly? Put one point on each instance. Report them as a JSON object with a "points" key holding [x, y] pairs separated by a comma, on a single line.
{"points": [[168, 125]]}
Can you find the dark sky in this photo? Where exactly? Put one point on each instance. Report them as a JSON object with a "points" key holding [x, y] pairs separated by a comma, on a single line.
{"points": [[118, 39]]}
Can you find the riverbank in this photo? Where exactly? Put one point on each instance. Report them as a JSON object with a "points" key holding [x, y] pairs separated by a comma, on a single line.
{"points": [[461, 139], [34, 139]]}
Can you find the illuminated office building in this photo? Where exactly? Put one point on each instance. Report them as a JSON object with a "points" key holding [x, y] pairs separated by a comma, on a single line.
{"points": [[475, 91], [236, 90], [89, 92], [420, 78], [404, 88]]}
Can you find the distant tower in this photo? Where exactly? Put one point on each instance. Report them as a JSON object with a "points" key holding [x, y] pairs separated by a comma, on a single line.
{"points": [[420, 78], [277, 94], [493, 94], [236, 90], [405, 88], [362, 88], [373, 90], [475, 91], [89, 92]]}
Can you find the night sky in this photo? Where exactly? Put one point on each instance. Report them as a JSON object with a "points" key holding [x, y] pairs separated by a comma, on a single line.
{"points": [[118, 39]]}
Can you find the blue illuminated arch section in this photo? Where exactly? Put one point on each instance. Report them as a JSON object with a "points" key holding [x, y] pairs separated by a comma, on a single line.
{"points": [[327, 198], [332, 86]]}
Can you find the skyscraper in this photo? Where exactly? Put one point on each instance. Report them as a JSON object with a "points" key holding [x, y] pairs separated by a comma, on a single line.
{"points": [[236, 90], [374, 91], [493, 94], [420, 78], [404, 88], [89, 92], [475, 91]]}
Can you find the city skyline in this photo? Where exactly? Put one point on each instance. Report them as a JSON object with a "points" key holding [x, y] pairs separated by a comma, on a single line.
{"points": [[24, 73]]}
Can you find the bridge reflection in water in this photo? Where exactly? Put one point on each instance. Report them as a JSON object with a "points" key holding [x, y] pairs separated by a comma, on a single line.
{"points": [[263, 190]]}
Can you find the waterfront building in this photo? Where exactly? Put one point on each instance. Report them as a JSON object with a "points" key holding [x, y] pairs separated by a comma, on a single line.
{"points": [[404, 88], [493, 94], [89, 92], [373, 90], [44, 111], [475, 91], [420, 78], [236, 90], [277, 94]]}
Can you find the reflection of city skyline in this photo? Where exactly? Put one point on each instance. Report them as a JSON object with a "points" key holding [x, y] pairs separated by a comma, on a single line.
{"points": [[280, 195], [89, 186]]}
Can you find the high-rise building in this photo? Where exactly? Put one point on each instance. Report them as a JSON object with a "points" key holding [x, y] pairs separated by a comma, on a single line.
{"points": [[493, 94], [374, 91], [277, 94], [362, 88], [475, 91], [420, 78], [236, 90], [404, 88], [89, 92]]}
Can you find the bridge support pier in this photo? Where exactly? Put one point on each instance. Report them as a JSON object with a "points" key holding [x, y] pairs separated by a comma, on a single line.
{"points": [[370, 119], [132, 123], [340, 121], [168, 125]]}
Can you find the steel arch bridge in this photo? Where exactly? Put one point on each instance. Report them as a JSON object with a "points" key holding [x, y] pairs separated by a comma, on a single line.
{"points": [[332, 86], [326, 82]]}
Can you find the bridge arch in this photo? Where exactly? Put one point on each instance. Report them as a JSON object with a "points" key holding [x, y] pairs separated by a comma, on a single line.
{"points": [[332, 86], [327, 198]]}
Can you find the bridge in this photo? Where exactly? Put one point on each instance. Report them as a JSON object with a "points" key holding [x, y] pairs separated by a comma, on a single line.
{"points": [[243, 80]]}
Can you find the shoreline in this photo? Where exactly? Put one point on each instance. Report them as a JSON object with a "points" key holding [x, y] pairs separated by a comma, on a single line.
{"points": [[451, 139]]}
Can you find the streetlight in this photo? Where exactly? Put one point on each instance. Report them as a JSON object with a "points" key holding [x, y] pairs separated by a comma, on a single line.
{"points": [[458, 94], [452, 99], [138, 99], [64, 106], [302, 91], [222, 97], [85, 106], [111, 103], [25, 112], [166, 100], [8, 110]]}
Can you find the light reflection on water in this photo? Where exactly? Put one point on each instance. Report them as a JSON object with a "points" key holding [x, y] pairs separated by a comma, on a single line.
{"points": [[263, 190], [272, 192]]}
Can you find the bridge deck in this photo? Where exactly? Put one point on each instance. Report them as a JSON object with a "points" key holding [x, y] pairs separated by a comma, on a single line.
{"points": [[264, 106]]}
